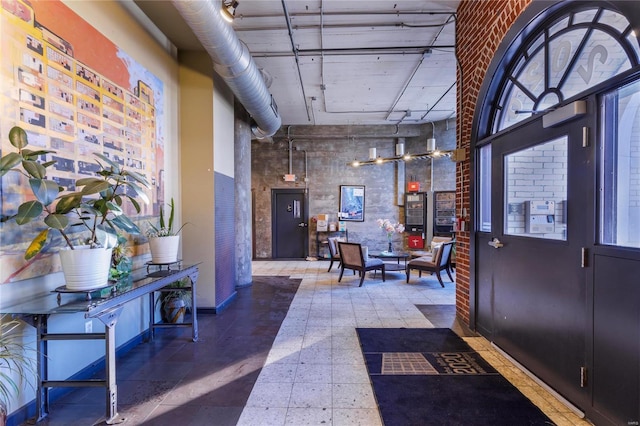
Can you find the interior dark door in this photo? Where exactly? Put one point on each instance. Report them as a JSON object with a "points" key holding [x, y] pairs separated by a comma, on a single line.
{"points": [[289, 227], [529, 262]]}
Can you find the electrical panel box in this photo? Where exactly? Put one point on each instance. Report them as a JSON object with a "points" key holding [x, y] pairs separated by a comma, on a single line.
{"points": [[540, 217], [415, 212]]}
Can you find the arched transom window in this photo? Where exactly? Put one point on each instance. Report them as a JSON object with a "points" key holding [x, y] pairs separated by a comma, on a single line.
{"points": [[576, 51]]}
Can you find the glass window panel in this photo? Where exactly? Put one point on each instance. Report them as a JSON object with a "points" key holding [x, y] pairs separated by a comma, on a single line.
{"points": [[601, 59], [484, 219], [614, 19], [536, 191], [562, 49], [585, 16], [549, 100], [560, 25], [512, 113], [532, 76], [632, 41], [620, 169], [535, 45], [521, 62]]}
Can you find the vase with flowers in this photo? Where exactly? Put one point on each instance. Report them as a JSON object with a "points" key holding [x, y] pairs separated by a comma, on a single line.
{"points": [[390, 228]]}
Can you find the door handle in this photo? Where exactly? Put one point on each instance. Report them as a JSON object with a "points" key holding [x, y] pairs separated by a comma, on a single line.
{"points": [[495, 243]]}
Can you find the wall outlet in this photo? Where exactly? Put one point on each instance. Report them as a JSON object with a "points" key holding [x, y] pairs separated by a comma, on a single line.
{"points": [[88, 327]]}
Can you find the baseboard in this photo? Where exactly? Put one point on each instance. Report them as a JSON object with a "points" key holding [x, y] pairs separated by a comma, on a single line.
{"points": [[225, 304]]}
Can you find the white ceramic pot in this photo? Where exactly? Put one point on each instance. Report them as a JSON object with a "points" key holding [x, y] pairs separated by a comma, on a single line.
{"points": [[164, 249], [85, 268]]}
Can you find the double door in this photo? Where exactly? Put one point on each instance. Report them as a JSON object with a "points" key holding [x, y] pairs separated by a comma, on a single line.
{"points": [[548, 292]]}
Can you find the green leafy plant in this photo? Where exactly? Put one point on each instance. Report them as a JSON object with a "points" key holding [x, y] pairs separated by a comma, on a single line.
{"points": [[166, 297], [165, 229], [15, 359], [121, 264], [96, 205]]}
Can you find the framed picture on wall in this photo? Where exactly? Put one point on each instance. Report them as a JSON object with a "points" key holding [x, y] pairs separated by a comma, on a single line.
{"points": [[351, 203]]}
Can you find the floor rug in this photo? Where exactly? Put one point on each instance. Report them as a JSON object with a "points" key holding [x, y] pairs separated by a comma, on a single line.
{"points": [[433, 377]]}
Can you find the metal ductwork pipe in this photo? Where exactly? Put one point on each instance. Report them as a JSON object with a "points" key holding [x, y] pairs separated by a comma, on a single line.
{"points": [[233, 62]]}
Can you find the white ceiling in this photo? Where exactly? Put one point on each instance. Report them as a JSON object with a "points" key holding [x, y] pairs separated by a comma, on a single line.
{"points": [[355, 62]]}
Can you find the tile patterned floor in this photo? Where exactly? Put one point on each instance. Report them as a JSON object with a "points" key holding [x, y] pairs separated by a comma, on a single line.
{"points": [[315, 373], [278, 356]]}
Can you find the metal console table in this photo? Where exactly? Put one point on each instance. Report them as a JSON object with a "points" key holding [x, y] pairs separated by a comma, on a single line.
{"points": [[106, 308]]}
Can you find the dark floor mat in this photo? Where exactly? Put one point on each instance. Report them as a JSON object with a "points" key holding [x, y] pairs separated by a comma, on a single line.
{"points": [[433, 377]]}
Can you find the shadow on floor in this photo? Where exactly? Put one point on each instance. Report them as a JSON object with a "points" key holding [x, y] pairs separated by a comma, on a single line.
{"points": [[174, 381], [444, 316]]}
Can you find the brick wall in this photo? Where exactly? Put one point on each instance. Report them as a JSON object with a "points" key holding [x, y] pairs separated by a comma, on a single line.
{"points": [[480, 28]]}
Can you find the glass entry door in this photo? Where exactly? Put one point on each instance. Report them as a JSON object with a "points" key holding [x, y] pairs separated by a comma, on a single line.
{"points": [[531, 275]]}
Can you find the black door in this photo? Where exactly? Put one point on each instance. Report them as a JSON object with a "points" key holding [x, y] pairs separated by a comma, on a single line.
{"points": [[614, 367], [289, 227], [531, 290]]}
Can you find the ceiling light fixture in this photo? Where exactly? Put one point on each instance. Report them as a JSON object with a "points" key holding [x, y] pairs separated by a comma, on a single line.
{"points": [[228, 10], [372, 154], [431, 142], [455, 155]]}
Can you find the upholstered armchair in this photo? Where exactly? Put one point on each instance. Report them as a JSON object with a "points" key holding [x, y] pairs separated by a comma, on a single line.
{"points": [[351, 257], [334, 253], [436, 262]]}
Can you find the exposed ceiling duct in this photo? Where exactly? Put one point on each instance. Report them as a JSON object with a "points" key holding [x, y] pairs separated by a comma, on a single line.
{"points": [[233, 62]]}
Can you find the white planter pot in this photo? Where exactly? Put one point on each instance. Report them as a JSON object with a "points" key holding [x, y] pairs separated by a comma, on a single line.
{"points": [[164, 249], [85, 268]]}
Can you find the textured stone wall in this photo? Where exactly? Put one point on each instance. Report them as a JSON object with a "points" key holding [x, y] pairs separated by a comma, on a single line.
{"points": [[328, 151], [480, 28], [242, 175]]}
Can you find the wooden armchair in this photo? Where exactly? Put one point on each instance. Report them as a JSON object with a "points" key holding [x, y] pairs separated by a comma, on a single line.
{"points": [[351, 257], [433, 264]]}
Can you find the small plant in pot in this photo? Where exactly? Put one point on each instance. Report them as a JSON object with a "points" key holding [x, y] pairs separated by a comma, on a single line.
{"points": [[16, 363], [174, 303], [163, 240], [94, 207]]}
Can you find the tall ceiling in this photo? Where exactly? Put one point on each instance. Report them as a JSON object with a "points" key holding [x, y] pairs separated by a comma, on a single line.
{"points": [[343, 62]]}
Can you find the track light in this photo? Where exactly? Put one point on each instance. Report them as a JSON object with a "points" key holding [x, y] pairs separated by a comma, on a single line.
{"points": [[228, 10]]}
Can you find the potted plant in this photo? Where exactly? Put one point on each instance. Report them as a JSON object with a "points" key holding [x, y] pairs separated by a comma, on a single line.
{"points": [[163, 241], [95, 207], [15, 362], [174, 303]]}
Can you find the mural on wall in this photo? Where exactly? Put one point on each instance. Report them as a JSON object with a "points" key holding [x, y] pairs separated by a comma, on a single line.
{"points": [[76, 93]]}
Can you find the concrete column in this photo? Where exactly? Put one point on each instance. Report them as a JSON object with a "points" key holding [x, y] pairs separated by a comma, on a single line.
{"points": [[242, 172]]}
